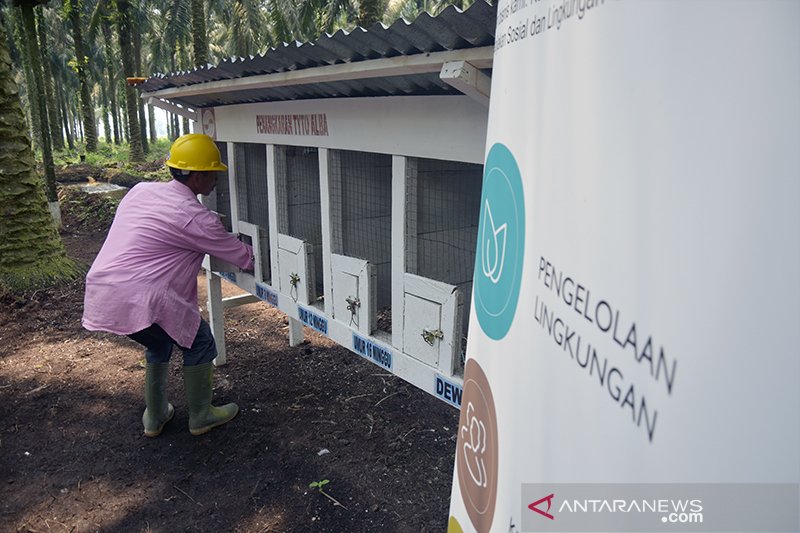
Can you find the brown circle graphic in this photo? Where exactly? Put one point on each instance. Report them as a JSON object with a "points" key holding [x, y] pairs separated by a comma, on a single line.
{"points": [[209, 123], [477, 448]]}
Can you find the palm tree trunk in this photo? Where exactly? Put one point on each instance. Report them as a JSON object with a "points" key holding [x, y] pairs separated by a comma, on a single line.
{"points": [[117, 121], [176, 127], [37, 93], [112, 92], [77, 122], [33, 104], [128, 65], [65, 117], [137, 57], [31, 252], [87, 109], [199, 35], [151, 111], [106, 123], [124, 131], [142, 124], [56, 136], [183, 54]]}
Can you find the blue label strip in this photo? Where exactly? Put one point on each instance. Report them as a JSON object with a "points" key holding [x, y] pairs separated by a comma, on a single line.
{"points": [[230, 276], [312, 320], [448, 391], [266, 294], [377, 354]]}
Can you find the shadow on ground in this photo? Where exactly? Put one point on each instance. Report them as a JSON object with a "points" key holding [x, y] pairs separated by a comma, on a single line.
{"points": [[72, 456]]}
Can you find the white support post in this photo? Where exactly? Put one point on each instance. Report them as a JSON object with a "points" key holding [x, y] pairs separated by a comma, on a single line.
{"points": [[232, 186], [216, 314], [274, 206], [325, 206], [399, 167], [296, 335], [239, 299]]}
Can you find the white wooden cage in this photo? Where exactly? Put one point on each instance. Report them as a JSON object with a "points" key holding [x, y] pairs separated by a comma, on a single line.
{"points": [[374, 249], [362, 210]]}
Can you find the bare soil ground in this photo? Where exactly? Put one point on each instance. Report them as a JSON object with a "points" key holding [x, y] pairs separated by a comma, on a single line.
{"points": [[73, 457]]}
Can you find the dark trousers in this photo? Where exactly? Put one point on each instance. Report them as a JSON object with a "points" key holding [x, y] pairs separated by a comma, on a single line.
{"points": [[158, 345]]}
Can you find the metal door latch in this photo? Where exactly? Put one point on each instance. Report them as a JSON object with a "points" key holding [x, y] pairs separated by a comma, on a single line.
{"points": [[431, 335], [352, 304]]}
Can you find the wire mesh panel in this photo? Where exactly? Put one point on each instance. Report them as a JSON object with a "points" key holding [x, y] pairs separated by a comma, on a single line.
{"points": [[361, 185], [445, 229], [221, 200], [250, 169], [298, 190]]}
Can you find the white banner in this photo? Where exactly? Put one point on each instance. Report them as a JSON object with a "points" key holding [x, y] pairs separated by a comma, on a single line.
{"points": [[636, 291]]}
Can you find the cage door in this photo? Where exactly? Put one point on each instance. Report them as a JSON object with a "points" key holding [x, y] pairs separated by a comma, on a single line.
{"points": [[431, 322], [260, 242], [296, 269], [354, 292]]}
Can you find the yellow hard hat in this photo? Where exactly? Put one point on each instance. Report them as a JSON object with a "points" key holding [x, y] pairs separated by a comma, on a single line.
{"points": [[195, 151]]}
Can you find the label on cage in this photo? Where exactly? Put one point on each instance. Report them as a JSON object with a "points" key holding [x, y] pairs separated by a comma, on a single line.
{"points": [[230, 276], [312, 320], [377, 354], [448, 391], [266, 294]]}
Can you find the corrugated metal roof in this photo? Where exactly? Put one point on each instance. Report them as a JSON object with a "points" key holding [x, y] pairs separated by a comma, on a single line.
{"points": [[452, 29]]}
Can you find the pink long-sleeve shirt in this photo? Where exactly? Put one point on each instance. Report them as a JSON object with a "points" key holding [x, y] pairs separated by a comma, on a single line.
{"points": [[146, 272]]}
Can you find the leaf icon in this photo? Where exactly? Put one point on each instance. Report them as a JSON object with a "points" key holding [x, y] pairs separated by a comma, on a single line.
{"points": [[493, 249]]}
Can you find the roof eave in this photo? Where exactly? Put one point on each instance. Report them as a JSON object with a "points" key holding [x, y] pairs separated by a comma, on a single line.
{"points": [[480, 58]]}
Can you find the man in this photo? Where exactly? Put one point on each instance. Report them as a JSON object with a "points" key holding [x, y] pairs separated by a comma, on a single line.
{"points": [[143, 283]]}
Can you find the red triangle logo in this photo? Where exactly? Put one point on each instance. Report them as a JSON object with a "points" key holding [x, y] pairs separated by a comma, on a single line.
{"points": [[549, 500]]}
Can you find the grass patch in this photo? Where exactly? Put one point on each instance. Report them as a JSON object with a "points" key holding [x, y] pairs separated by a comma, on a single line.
{"points": [[109, 155]]}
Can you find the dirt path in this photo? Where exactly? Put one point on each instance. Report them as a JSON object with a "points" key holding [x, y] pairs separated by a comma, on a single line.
{"points": [[73, 458]]}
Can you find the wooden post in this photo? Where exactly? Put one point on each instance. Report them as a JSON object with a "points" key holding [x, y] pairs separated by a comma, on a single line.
{"points": [[327, 227], [296, 334], [402, 167], [276, 207], [216, 314]]}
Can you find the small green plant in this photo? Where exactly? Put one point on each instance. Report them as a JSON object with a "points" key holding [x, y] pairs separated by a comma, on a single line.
{"points": [[318, 485]]}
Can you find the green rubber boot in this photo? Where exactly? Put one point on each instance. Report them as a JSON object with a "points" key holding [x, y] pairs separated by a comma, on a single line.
{"points": [[158, 411], [203, 416]]}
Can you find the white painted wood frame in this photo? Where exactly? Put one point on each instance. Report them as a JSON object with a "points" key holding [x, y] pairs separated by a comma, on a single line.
{"points": [[295, 269], [216, 315], [274, 209], [327, 223], [355, 295], [232, 187], [260, 241], [432, 306]]}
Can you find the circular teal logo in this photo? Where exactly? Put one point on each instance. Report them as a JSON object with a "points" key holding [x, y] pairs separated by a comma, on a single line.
{"points": [[501, 243]]}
